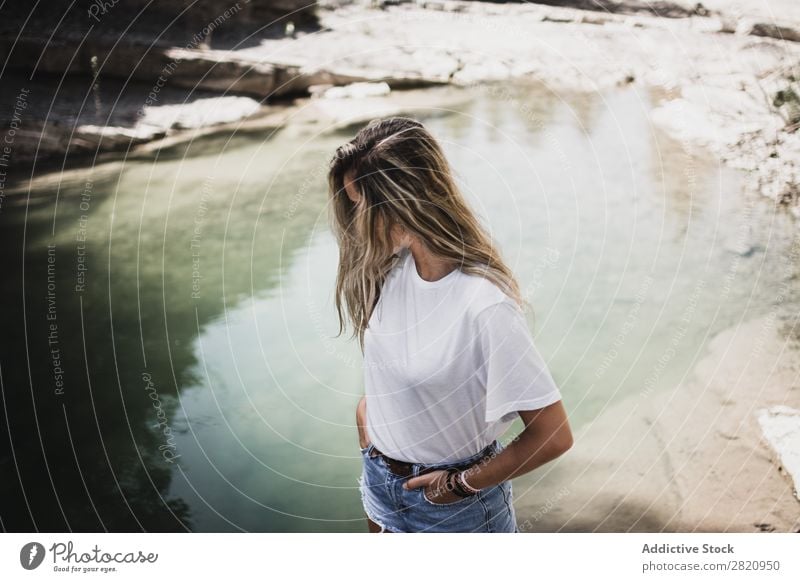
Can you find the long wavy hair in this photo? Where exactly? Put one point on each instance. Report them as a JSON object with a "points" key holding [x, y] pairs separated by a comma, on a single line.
{"points": [[404, 179]]}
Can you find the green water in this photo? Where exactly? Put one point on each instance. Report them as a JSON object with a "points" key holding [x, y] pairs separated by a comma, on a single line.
{"points": [[203, 388]]}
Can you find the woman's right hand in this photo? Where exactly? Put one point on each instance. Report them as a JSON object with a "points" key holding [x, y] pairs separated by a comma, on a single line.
{"points": [[361, 422]]}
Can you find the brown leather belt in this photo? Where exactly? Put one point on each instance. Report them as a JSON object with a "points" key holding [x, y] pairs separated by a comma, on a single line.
{"points": [[405, 469]]}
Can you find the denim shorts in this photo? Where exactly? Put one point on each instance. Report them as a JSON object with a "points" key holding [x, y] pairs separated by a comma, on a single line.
{"points": [[399, 510]]}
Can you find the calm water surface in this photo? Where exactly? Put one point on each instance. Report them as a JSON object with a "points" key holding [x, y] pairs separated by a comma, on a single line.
{"points": [[203, 387]]}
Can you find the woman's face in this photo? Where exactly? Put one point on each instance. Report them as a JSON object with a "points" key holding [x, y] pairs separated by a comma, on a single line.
{"points": [[400, 238]]}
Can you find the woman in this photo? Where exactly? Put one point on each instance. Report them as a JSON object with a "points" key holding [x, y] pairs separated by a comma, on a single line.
{"points": [[449, 361]]}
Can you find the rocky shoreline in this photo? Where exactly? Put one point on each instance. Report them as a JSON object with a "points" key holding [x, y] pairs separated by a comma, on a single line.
{"points": [[722, 68]]}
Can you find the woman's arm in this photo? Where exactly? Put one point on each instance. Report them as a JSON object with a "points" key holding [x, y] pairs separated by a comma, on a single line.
{"points": [[546, 436], [361, 422]]}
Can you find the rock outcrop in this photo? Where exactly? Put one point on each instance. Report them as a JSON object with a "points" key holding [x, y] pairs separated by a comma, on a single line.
{"points": [[724, 68]]}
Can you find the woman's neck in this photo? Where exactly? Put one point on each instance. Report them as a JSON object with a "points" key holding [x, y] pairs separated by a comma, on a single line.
{"points": [[429, 266]]}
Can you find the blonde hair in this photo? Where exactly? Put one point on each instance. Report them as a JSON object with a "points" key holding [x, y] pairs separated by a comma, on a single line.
{"points": [[404, 179]]}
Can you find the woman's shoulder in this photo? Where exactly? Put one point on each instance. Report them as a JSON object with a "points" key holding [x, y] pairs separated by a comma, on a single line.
{"points": [[482, 293]]}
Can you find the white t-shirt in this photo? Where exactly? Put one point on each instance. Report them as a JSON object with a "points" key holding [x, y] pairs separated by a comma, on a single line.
{"points": [[447, 364]]}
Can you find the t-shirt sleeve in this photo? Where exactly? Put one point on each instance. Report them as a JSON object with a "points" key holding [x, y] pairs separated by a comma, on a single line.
{"points": [[515, 375]]}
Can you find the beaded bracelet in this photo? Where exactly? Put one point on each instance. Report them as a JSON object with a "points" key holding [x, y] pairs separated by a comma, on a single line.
{"points": [[458, 484], [453, 484], [462, 477]]}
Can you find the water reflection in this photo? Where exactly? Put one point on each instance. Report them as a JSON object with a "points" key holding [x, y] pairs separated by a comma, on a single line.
{"points": [[203, 388]]}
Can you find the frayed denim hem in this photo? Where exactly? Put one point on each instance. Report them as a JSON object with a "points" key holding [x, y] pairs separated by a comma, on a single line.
{"points": [[362, 489]]}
